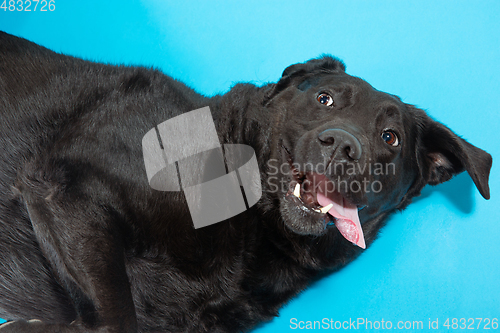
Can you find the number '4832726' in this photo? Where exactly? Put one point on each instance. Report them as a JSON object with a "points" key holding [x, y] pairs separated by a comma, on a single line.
{"points": [[28, 5], [471, 323]]}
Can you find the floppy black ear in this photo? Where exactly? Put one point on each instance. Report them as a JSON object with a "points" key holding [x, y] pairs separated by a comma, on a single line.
{"points": [[444, 154], [323, 64]]}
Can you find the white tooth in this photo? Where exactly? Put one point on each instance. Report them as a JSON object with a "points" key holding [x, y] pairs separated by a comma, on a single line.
{"points": [[325, 209], [316, 210], [296, 191]]}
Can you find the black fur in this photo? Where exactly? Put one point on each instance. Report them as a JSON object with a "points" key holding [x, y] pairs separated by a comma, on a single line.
{"points": [[88, 246]]}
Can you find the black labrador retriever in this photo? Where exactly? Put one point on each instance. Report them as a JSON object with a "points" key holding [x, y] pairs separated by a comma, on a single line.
{"points": [[88, 246]]}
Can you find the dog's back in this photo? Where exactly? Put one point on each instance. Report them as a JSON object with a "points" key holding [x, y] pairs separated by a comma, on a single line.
{"points": [[68, 122], [71, 131]]}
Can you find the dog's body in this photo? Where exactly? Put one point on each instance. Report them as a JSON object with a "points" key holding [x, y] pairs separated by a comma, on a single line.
{"points": [[88, 246]]}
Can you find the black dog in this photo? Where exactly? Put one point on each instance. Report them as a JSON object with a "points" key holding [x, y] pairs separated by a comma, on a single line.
{"points": [[88, 246]]}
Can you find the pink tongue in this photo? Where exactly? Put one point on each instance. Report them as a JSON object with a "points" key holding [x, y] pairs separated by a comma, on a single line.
{"points": [[346, 217]]}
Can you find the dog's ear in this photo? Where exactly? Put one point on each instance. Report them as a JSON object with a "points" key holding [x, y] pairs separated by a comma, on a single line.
{"points": [[443, 154], [324, 64]]}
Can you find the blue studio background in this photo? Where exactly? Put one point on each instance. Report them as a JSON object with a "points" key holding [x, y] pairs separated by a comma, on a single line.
{"points": [[438, 259]]}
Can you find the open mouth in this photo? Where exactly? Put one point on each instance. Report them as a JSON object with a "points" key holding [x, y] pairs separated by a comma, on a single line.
{"points": [[315, 194]]}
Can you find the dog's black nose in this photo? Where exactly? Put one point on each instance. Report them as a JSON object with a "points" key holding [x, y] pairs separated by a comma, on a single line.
{"points": [[342, 144]]}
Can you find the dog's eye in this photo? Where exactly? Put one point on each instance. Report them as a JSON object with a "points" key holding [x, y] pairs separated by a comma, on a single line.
{"points": [[325, 99], [390, 138]]}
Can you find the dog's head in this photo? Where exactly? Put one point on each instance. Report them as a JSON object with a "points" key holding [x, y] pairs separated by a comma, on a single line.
{"points": [[356, 150]]}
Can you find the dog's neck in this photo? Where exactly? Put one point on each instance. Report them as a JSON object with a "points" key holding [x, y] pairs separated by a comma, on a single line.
{"points": [[239, 117]]}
